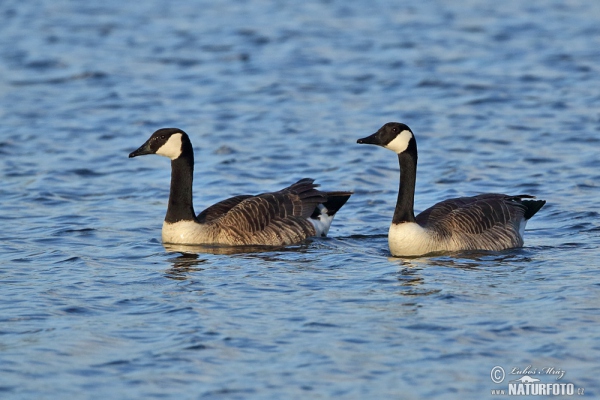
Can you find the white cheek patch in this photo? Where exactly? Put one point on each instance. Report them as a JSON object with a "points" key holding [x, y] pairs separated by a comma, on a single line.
{"points": [[172, 148], [400, 142]]}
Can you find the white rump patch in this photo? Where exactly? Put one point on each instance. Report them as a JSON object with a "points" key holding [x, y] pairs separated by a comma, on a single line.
{"points": [[322, 222], [400, 142], [172, 148], [522, 225]]}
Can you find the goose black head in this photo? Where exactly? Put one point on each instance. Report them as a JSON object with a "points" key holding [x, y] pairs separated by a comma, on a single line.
{"points": [[168, 142], [394, 136]]}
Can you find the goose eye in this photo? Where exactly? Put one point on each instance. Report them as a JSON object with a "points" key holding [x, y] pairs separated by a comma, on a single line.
{"points": [[395, 130], [163, 137]]}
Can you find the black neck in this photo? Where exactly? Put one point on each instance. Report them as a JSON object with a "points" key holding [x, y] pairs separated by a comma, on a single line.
{"points": [[406, 194], [181, 207]]}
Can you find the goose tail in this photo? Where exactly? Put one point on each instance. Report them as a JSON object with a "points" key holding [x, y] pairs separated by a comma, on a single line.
{"points": [[322, 216], [532, 207]]}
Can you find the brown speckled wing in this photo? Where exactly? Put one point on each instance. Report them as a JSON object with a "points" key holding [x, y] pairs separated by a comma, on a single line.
{"points": [[217, 210], [489, 221], [277, 218]]}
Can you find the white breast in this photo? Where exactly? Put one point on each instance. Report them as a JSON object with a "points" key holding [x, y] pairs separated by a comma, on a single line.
{"points": [[410, 239], [184, 232]]}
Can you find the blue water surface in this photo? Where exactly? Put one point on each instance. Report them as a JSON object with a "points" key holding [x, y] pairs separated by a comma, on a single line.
{"points": [[503, 97]]}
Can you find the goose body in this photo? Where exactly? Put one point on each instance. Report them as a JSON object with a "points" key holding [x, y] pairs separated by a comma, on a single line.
{"points": [[281, 218], [489, 221]]}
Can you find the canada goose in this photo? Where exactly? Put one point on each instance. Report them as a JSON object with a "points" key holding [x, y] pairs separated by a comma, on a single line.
{"points": [[485, 222], [273, 219]]}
